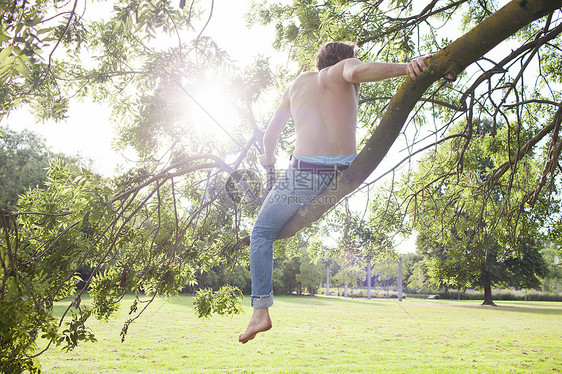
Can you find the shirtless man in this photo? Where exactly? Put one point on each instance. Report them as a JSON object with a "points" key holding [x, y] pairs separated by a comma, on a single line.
{"points": [[323, 105]]}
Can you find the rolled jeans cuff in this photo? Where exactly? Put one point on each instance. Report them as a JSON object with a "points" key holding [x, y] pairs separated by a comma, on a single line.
{"points": [[262, 302]]}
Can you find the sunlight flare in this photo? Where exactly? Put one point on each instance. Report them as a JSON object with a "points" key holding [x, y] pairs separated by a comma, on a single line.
{"points": [[212, 112]]}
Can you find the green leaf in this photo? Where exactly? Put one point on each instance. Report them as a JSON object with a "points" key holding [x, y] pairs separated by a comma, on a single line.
{"points": [[9, 61], [22, 68], [5, 52], [18, 28], [45, 30]]}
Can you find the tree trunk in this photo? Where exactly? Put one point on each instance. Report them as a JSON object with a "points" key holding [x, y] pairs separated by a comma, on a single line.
{"points": [[488, 296], [368, 281], [400, 289], [327, 279], [450, 61]]}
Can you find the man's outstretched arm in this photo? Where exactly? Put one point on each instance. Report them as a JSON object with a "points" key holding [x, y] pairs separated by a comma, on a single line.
{"points": [[354, 71]]}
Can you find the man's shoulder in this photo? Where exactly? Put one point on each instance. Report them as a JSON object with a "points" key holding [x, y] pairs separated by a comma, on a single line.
{"points": [[352, 60], [335, 74], [306, 75], [340, 65], [304, 78]]}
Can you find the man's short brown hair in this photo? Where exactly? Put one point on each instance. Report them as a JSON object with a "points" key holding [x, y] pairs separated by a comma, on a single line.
{"points": [[331, 53]]}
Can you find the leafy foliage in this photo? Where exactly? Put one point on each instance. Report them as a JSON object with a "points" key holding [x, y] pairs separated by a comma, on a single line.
{"points": [[224, 301], [40, 258], [24, 159], [149, 230], [311, 273], [472, 236]]}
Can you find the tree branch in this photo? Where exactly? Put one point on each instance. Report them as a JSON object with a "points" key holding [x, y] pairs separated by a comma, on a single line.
{"points": [[525, 149], [452, 60]]}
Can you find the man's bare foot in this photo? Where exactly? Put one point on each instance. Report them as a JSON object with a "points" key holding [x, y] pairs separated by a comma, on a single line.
{"points": [[259, 322]]}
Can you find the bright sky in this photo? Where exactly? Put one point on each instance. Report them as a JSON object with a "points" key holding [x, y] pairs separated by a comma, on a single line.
{"points": [[88, 131]]}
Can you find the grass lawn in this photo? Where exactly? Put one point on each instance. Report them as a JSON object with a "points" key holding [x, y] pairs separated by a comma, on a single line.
{"points": [[327, 335]]}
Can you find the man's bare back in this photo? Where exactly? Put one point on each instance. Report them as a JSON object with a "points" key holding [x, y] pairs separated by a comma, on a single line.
{"points": [[324, 110]]}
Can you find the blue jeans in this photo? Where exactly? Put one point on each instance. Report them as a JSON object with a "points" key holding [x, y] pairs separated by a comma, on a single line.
{"points": [[293, 189]]}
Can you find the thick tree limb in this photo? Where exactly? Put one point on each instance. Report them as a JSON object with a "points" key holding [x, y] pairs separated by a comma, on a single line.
{"points": [[449, 62]]}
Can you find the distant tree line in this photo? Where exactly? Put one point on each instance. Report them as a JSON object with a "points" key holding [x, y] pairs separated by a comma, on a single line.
{"points": [[24, 159], [300, 275]]}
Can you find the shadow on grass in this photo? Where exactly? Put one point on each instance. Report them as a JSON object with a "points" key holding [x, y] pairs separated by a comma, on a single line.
{"points": [[555, 309], [305, 300], [321, 300]]}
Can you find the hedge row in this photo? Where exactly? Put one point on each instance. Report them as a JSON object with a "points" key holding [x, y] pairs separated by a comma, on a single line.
{"points": [[454, 295], [503, 295]]}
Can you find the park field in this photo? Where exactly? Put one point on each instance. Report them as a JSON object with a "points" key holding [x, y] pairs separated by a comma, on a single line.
{"points": [[327, 335]]}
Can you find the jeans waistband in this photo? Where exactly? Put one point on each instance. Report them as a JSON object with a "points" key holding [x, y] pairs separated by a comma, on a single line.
{"points": [[316, 168]]}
